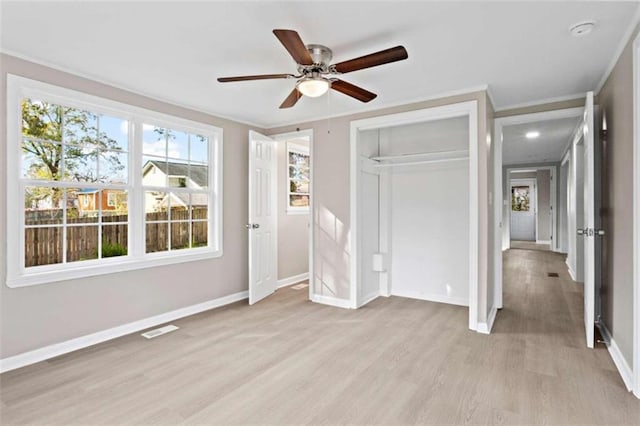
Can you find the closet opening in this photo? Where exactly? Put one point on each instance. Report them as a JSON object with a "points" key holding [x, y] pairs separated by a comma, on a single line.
{"points": [[414, 207]]}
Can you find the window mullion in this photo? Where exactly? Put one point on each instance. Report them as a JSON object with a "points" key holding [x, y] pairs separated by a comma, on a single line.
{"points": [[136, 197]]}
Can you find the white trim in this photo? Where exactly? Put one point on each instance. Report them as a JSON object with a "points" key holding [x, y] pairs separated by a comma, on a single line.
{"points": [[431, 297], [636, 215], [368, 298], [57, 349], [617, 357], [332, 301], [96, 79], [618, 52], [17, 274], [461, 109], [543, 242], [293, 280], [572, 273], [485, 327]]}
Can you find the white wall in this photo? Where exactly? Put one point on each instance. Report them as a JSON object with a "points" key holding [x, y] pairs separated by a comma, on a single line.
{"points": [[430, 232]]}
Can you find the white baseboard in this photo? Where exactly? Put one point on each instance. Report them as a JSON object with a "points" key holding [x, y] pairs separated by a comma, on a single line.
{"points": [[572, 274], [47, 352], [293, 280], [543, 242], [432, 297], [485, 327], [368, 299], [618, 359], [332, 301]]}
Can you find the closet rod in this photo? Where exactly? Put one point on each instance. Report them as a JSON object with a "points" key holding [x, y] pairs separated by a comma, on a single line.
{"points": [[437, 154], [412, 163]]}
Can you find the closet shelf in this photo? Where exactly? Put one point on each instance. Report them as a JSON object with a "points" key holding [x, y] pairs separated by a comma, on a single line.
{"points": [[420, 158]]}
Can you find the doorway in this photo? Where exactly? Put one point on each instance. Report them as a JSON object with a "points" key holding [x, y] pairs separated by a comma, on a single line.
{"points": [[280, 206], [523, 212]]}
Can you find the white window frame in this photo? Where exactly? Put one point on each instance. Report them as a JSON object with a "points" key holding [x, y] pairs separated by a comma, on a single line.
{"points": [[18, 275], [303, 150]]}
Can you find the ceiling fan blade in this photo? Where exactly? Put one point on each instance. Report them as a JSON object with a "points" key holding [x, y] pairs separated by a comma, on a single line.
{"points": [[352, 90], [393, 54], [291, 99], [294, 45], [254, 77]]}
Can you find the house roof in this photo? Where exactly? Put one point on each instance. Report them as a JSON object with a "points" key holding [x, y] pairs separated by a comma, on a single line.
{"points": [[196, 172]]}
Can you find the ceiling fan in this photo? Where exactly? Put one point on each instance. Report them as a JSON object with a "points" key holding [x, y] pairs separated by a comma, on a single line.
{"points": [[316, 75]]}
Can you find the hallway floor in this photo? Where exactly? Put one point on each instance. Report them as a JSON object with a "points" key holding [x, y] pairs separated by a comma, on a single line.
{"points": [[395, 361]]}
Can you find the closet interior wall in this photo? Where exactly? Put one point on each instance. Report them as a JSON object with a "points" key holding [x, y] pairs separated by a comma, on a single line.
{"points": [[415, 192]]}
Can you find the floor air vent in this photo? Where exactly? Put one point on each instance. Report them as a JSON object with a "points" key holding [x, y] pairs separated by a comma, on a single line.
{"points": [[159, 331], [553, 274]]}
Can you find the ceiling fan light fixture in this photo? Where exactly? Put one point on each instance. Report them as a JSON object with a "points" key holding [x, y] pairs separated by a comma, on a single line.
{"points": [[313, 87]]}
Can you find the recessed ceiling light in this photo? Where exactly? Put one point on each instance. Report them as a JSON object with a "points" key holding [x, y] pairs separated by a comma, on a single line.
{"points": [[532, 135], [582, 28]]}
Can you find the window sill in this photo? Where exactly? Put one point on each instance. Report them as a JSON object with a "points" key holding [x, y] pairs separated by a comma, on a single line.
{"points": [[108, 267]]}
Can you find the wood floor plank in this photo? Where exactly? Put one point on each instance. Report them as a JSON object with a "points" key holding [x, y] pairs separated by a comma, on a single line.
{"points": [[286, 360]]}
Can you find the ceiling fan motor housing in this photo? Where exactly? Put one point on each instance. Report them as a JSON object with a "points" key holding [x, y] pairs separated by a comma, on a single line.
{"points": [[321, 56]]}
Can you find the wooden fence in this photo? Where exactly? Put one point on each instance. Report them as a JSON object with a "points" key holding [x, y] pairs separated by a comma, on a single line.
{"points": [[43, 245]]}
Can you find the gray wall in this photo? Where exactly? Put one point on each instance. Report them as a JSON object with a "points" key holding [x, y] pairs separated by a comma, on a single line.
{"points": [[616, 104], [36, 316], [293, 229]]}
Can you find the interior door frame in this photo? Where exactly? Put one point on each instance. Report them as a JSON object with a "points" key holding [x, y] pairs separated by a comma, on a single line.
{"points": [[499, 243], [636, 224], [531, 182], [283, 138], [463, 109]]}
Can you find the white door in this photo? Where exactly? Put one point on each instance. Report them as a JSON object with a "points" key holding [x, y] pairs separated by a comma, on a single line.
{"points": [[523, 211], [262, 223], [589, 220]]}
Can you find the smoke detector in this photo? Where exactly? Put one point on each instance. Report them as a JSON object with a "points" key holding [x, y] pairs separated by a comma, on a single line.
{"points": [[582, 28]]}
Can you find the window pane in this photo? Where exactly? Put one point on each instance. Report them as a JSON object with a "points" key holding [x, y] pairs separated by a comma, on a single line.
{"points": [[179, 206], [80, 163], [114, 240], [80, 127], [157, 237], [298, 159], [154, 171], [199, 234], [42, 246], [155, 205], [199, 206], [113, 167], [115, 205], [41, 160], [520, 198], [114, 133], [82, 243], [178, 145], [299, 201], [179, 235], [42, 205], [154, 140], [42, 120], [199, 176], [199, 149], [299, 186]]}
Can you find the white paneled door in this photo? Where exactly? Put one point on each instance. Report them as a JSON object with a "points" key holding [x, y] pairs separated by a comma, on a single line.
{"points": [[589, 232], [262, 218], [523, 210]]}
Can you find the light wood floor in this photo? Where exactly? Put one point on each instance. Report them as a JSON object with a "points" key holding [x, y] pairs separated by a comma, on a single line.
{"points": [[529, 245], [396, 361]]}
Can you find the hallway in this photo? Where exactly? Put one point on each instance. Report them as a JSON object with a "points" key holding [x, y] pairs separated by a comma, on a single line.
{"points": [[395, 361]]}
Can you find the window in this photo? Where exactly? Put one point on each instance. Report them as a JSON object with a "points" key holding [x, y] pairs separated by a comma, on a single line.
{"points": [[520, 198], [105, 186], [298, 178]]}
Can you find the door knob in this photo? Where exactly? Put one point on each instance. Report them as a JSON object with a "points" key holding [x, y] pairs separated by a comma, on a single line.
{"points": [[252, 225], [600, 232], [580, 231]]}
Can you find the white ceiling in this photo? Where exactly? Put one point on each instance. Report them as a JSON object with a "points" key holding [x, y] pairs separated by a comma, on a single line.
{"points": [[175, 50], [548, 147]]}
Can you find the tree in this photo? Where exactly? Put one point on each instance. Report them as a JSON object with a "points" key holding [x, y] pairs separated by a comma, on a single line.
{"points": [[52, 132]]}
